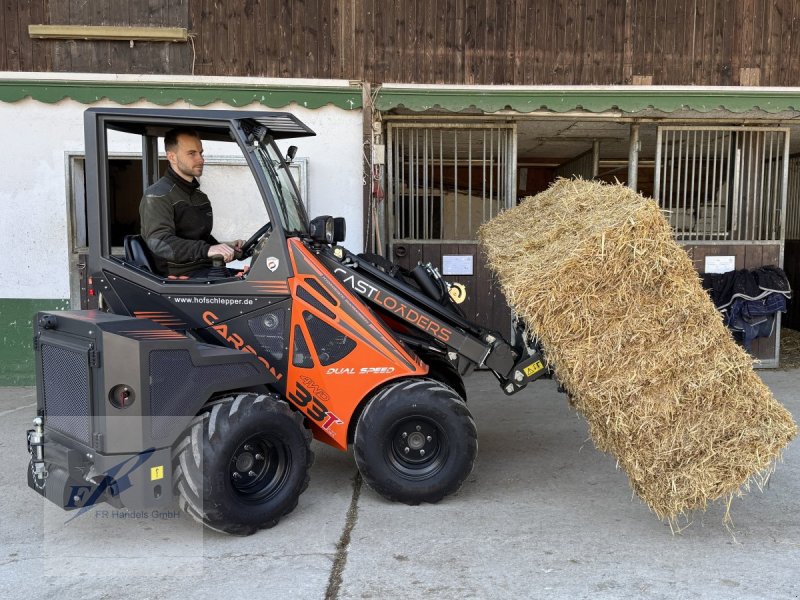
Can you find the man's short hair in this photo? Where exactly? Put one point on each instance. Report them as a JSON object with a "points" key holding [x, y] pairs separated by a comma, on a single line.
{"points": [[171, 137]]}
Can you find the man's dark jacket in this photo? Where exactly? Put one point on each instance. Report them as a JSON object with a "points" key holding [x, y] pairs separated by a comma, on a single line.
{"points": [[176, 224]]}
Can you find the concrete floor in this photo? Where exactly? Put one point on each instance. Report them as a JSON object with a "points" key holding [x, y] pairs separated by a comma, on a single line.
{"points": [[543, 515]]}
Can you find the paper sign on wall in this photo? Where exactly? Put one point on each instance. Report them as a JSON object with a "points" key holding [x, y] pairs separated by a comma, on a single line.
{"points": [[456, 264], [720, 264]]}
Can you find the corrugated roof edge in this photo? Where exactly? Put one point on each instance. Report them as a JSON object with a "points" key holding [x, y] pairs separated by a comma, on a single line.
{"points": [[164, 91], [595, 99]]}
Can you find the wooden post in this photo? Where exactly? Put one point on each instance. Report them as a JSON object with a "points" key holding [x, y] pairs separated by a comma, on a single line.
{"points": [[633, 158]]}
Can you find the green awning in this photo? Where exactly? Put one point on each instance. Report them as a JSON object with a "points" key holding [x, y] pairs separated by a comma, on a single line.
{"points": [[587, 98], [164, 93]]}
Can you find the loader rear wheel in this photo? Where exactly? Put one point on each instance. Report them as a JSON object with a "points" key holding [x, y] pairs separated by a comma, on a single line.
{"points": [[243, 463], [415, 441]]}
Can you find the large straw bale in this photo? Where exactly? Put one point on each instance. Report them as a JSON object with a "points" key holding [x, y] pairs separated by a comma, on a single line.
{"points": [[637, 343]]}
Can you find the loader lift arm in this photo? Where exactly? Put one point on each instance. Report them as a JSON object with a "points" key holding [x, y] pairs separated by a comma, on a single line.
{"points": [[514, 367]]}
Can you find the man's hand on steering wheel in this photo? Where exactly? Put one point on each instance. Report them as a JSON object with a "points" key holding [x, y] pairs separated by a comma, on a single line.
{"points": [[249, 246], [223, 250]]}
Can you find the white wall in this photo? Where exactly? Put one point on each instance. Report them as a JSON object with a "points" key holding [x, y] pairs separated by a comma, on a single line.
{"points": [[33, 189]]}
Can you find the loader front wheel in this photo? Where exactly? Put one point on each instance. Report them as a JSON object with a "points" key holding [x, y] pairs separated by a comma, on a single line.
{"points": [[242, 463], [415, 441]]}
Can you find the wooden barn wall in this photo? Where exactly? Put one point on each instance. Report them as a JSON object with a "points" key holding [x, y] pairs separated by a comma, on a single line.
{"points": [[21, 53], [700, 42]]}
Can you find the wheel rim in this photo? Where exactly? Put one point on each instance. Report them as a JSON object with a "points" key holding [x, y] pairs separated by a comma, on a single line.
{"points": [[418, 449], [258, 468]]}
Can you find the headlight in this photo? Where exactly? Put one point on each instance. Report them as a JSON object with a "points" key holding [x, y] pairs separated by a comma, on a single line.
{"points": [[321, 229]]}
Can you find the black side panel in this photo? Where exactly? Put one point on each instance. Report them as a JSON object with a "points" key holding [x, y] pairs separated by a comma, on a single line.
{"points": [[173, 397]]}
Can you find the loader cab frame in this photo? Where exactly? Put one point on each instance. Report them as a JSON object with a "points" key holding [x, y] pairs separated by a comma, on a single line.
{"points": [[255, 136]]}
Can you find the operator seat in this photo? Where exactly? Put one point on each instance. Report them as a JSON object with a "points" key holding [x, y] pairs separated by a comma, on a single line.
{"points": [[137, 253]]}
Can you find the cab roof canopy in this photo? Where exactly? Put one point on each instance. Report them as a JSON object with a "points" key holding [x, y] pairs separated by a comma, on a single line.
{"points": [[210, 124]]}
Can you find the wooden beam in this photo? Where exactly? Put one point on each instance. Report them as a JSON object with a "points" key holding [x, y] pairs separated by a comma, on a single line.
{"points": [[108, 32]]}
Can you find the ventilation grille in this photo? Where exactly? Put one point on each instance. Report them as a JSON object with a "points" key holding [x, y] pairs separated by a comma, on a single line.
{"points": [[301, 355], [65, 376], [331, 345], [313, 283], [304, 295]]}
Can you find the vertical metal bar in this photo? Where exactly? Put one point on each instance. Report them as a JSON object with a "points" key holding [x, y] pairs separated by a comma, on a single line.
{"points": [[455, 166], [690, 187], [432, 183], [426, 230], [716, 191], [512, 168], [678, 168], [741, 147], [672, 172], [420, 175], [768, 227], [730, 185], [684, 165], [426, 216], [491, 173], [498, 180], [752, 185], [775, 188], [706, 194], [775, 172], [410, 185], [705, 168], [413, 177], [785, 180], [469, 188], [736, 190], [401, 178], [390, 184], [441, 183], [494, 188], [657, 182], [758, 193], [664, 185], [752, 172], [743, 187], [763, 219], [483, 181], [407, 182]]}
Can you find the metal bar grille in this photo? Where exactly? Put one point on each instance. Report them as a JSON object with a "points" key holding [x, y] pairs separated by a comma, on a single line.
{"points": [[583, 166], [446, 180], [793, 200], [720, 184]]}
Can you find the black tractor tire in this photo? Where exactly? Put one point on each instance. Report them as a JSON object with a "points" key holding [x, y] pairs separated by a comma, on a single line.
{"points": [[242, 463], [415, 441]]}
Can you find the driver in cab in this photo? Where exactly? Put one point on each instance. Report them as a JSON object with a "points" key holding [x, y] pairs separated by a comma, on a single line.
{"points": [[176, 215]]}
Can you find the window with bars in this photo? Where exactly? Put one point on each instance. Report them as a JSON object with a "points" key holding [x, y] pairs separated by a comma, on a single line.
{"points": [[446, 180], [723, 183]]}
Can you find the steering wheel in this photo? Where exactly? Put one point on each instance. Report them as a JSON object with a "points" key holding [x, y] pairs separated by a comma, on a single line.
{"points": [[250, 245]]}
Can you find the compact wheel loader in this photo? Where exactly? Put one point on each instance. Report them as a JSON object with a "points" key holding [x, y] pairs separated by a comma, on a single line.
{"points": [[209, 391]]}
